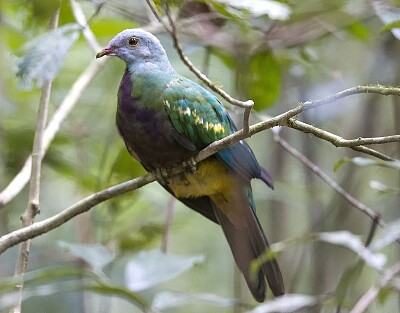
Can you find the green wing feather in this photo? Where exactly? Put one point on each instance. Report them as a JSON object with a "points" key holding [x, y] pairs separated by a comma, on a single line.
{"points": [[195, 112]]}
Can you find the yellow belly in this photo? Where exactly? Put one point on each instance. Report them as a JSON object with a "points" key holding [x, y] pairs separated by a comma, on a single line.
{"points": [[211, 178]]}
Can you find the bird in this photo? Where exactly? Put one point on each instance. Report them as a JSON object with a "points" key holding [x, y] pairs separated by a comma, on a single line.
{"points": [[165, 119]]}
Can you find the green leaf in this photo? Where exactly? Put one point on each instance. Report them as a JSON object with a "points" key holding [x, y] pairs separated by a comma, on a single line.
{"points": [[52, 280], [150, 268], [112, 290], [56, 159], [367, 162], [263, 80], [384, 293], [352, 242], [388, 235], [223, 9], [167, 300], [286, 304], [388, 13], [94, 254], [45, 55], [125, 166], [390, 26], [348, 278], [359, 30]]}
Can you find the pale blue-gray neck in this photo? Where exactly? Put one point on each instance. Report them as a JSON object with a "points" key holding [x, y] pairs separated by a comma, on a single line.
{"points": [[150, 66]]}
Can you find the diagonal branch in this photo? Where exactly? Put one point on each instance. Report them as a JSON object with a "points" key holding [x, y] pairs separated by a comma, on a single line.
{"points": [[87, 203], [337, 141], [284, 119], [86, 31], [84, 205], [67, 214], [334, 185]]}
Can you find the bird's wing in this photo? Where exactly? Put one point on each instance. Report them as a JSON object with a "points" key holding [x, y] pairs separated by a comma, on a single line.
{"points": [[194, 112], [199, 116]]}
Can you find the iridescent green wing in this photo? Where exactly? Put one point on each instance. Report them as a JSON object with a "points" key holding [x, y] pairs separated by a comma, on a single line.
{"points": [[195, 113]]}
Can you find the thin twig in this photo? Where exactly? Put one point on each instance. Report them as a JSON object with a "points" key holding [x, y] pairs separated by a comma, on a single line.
{"points": [[84, 205], [337, 141], [32, 208], [334, 185], [370, 296], [283, 119], [86, 31]]}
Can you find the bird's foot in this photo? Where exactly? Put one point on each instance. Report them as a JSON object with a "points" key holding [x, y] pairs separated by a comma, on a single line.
{"points": [[190, 165], [162, 175]]}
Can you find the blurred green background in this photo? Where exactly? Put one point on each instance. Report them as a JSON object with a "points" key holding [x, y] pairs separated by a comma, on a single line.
{"points": [[277, 53]]}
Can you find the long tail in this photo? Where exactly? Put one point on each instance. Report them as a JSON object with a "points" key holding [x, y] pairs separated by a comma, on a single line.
{"points": [[247, 242]]}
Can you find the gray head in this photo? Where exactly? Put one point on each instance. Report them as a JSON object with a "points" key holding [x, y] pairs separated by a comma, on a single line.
{"points": [[138, 49]]}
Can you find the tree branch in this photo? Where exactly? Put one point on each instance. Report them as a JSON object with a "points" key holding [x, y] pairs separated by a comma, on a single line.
{"points": [[85, 204], [86, 31], [334, 185], [283, 119], [65, 215], [32, 208], [337, 141]]}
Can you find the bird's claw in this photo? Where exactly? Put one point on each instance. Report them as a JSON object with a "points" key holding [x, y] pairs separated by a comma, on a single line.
{"points": [[161, 175], [190, 165]]}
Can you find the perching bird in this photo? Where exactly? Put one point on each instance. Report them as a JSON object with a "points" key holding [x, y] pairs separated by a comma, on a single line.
{"points": [[166, 119]]}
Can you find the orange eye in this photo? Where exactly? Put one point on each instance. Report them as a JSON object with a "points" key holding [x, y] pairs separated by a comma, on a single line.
{"points": [[133, 41]]}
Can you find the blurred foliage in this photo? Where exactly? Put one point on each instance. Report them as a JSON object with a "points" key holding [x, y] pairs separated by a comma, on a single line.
{"points": [[277, 53]]}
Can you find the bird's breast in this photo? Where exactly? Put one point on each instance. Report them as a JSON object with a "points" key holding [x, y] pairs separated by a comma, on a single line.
{"points": [[145, 126], [212, 177]]}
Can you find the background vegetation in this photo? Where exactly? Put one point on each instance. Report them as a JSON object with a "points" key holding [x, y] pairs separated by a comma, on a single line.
{"points": [[334, 256]]}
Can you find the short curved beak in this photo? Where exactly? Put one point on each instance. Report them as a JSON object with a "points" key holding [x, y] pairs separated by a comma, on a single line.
{"points": [[106, 51]]}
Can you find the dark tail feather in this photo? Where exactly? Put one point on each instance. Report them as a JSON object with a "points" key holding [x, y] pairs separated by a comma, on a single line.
{"points": [[271, 268], [247, 242]]}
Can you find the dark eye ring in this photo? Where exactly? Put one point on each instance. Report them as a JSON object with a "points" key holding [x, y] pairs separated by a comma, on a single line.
{"points": [[133, 41]]}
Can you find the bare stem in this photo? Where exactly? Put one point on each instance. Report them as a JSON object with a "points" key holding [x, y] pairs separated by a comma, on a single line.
{"points": [[86, 31], [337, 141], [32, 209], [84, 205], [334, 185]]}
